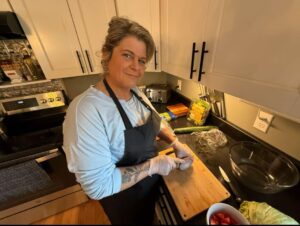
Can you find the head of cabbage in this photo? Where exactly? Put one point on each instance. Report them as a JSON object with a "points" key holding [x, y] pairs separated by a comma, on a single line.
{"points": [[263, 213]]}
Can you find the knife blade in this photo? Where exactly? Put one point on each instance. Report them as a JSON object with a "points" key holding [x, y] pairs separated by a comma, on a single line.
{"points": [[233, 189]]}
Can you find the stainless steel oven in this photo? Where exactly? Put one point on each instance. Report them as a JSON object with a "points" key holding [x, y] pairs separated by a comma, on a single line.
{"points": [[34, 180]]}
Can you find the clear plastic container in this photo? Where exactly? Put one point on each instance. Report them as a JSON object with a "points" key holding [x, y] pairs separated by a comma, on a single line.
{"points": [[198, 112]]}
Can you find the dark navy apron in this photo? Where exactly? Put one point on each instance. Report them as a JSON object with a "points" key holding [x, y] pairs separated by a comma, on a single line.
{"points": [[136, 204]]}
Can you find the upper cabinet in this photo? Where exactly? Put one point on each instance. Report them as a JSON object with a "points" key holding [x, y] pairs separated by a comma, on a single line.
{"points": [[146, 13], [4, 5], [182, 33], [91, 18], [249, 49], [66, 35], [253, 52]]}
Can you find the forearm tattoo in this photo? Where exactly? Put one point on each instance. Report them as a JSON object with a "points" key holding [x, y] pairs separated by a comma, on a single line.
{"points": [[133, 172]]}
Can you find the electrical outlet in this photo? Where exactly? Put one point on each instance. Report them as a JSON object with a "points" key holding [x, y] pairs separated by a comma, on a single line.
{"points": [[263, 121], [179, 84]]}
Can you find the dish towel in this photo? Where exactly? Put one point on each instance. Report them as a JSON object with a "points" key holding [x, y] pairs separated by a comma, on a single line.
{"points": [[22, 179]]}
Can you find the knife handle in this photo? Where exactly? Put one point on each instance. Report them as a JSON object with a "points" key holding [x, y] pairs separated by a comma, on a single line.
{"points": [[236, 193]]}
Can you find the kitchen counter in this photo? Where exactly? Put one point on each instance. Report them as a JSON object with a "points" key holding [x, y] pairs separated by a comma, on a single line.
{"points": [[286, 201]]}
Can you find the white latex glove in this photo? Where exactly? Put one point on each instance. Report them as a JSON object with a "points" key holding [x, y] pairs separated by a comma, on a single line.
{"points": [[163, 165], [182, 152]]}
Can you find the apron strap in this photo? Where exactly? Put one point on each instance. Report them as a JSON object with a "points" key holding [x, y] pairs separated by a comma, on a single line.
{"points": [[126, 120], [141, 100]]}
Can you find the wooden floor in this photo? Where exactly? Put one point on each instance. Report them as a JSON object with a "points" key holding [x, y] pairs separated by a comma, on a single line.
{"points": [[89, 212]]}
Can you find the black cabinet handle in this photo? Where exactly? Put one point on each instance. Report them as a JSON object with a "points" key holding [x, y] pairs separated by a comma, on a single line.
{"points": [[194, 50], [201, 61], [79, 58], [155, 59], [89, 60]]}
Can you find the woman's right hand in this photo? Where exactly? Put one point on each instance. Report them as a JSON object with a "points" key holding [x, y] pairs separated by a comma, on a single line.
{"points": [[163, 165]]}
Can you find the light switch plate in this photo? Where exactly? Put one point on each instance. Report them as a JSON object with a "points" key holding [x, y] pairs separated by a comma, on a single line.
{"points": [[263, 121]]}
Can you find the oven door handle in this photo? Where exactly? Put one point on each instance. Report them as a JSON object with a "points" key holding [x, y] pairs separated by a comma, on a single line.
{"points": [[53, 153]]}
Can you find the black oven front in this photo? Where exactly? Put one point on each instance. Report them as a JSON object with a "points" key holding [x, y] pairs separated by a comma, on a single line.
{"points": [[34, 179]]}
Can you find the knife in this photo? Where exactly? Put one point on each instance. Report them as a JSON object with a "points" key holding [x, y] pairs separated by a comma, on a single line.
{"points": [[233, 189]]}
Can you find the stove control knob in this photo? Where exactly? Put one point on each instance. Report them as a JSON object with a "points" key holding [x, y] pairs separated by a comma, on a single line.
{"points": [[43, 101], [58, 98], [50, 99]]}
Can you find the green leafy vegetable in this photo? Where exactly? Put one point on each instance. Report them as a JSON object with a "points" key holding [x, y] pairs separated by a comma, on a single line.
{"points": [[263, 213]]}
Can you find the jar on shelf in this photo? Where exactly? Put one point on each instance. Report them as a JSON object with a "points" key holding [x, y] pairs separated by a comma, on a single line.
{"points": [[3, 77], [20, 67], [10, 69], [39, 72], [34, 73]]}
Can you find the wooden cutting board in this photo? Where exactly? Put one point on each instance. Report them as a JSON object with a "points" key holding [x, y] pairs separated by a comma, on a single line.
{"points": [[194, 189]]}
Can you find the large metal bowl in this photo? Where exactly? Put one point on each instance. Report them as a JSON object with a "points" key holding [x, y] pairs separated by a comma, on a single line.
{"points": [[261, 169]]}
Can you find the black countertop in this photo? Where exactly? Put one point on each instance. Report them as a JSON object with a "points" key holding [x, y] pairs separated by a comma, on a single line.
{"points": [[286, 201]]}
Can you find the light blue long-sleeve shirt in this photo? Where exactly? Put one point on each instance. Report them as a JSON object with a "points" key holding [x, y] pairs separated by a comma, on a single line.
{"points": [[94, 139]]}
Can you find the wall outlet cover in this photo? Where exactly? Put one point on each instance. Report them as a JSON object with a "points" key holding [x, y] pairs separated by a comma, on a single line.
{"points": [[179, 82], [263, 121]]}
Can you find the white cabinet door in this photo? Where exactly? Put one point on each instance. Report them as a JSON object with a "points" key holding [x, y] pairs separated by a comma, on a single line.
{"points": [[254, 51], [4, 6], [50, 31], [146, 13], [91, 18], [66, 35], [182, 24]]}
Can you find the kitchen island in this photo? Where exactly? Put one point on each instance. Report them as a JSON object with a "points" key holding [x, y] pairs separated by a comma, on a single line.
{"points": [[286, 201]]}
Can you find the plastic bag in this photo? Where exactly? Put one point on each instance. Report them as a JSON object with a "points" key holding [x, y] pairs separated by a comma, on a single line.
{"points": [[213, 138]]}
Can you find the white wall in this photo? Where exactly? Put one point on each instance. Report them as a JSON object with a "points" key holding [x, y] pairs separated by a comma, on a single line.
{"points": [[283, 134], [188, 88], [76, 85]]}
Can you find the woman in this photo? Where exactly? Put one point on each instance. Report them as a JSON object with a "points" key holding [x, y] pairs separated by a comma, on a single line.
{"points": [[110, 131]]}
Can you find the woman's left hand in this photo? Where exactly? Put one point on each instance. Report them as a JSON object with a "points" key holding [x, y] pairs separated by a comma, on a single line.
{"points": [[183, 152]]}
